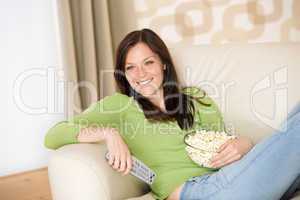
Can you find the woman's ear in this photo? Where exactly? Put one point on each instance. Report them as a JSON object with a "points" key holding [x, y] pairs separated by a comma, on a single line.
{"points": [[165, 67]]}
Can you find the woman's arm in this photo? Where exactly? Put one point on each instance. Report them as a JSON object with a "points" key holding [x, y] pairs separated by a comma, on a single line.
{"points": [[105, 113], [212, 119], [92, 134]]}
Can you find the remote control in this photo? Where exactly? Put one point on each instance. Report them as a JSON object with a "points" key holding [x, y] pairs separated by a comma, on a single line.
{"points": [[140, 170]]}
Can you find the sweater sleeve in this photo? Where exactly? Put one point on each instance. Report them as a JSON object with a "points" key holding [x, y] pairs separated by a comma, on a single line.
{"points": [[107, 112]]}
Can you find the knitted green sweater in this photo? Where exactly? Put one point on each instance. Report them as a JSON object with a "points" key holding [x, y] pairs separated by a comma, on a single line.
{"points": [[158, 144]]}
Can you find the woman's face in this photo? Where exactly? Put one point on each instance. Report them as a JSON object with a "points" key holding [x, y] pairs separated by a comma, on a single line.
{"points": [[144, 70]]}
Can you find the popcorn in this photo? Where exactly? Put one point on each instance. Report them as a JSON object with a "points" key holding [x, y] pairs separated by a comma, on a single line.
{"points": [[203, 145]]}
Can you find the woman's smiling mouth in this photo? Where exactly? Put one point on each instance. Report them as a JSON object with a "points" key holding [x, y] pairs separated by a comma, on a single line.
{"points": [[145, 82]]}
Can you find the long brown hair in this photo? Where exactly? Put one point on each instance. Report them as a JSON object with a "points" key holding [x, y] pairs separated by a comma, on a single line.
{"points": [[179, 106]]}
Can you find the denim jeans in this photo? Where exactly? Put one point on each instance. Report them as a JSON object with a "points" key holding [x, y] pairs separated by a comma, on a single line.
{"points": [[264, 173]]}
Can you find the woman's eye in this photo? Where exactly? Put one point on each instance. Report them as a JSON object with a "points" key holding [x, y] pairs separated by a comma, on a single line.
{"points": [[128, 67], [149, 62]]}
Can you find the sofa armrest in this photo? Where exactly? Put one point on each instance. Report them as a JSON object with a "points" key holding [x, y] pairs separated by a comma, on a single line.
{"points": [[80, 171]]}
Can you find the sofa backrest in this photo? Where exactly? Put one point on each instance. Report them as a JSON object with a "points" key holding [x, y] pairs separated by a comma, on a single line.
{"points": [[255, 85]]}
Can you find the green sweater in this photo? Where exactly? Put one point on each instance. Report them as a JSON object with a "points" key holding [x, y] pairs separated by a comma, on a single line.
{"points": [[158, 144]]}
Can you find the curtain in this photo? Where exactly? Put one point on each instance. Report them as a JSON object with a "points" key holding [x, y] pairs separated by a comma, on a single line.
{"points": [[87, 52]]}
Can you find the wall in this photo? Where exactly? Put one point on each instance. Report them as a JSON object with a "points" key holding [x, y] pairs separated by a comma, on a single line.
{"points": [[210, 21], [29, 56]]}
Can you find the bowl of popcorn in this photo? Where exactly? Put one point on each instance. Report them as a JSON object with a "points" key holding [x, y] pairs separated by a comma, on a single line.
{"points": [[203, 145]]}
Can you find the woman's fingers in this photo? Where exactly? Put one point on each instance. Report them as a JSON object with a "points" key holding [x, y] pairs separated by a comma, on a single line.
{"points": [[227, 162], [111, 159], [129, 165], [116, 162], [122, 162], [221, 154], [224, 146], [122, 155], [117, 156], [111, 154], [114, 153], [225, 157], [224, 160]]}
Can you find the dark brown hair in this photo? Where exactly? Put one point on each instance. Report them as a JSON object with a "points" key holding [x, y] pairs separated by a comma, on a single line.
{"points": [[179, 106]]}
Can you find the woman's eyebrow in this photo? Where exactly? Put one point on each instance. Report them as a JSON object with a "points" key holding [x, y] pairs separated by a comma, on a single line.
{"points": [[143, 60], [149, 57]]}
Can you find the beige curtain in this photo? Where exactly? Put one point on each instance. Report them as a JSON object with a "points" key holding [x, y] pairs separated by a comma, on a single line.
{"points": [[87, 52]]}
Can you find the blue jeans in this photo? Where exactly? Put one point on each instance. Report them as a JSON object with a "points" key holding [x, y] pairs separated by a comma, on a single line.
{"points": [[264, 173]]}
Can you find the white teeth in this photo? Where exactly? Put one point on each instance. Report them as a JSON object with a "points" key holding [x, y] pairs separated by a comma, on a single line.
{"points": [[145, 82]]}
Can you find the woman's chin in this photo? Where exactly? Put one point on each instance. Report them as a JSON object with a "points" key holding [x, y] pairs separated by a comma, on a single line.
{"points": [[148, 93]]}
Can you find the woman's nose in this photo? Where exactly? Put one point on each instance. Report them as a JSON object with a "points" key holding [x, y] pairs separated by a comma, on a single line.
{"points": [[141, 71]]}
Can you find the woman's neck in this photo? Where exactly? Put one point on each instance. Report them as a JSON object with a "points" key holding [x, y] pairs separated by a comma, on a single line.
{"points": [[158, 100]]}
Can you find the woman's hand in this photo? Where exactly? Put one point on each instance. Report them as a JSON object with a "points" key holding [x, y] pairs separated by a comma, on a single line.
{"points": [[231, 151], [119, 154], [120, 157]]}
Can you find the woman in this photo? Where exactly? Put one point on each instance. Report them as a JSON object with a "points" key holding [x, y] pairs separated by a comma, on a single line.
{"points": [[151, 115]]}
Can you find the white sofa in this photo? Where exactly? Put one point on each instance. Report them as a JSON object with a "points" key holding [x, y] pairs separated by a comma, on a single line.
{"points": [[255, 85]]}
